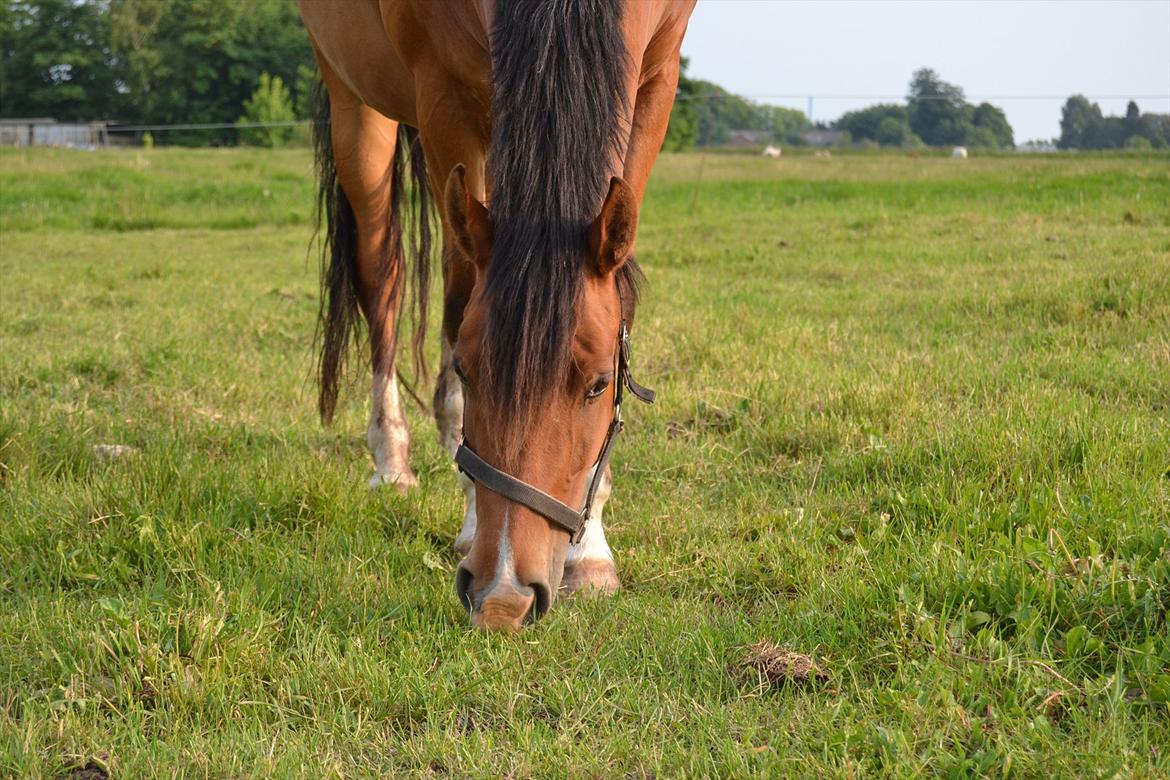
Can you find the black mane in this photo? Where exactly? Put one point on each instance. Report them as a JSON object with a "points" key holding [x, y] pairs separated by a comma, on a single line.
{"points": [[558, 113]]}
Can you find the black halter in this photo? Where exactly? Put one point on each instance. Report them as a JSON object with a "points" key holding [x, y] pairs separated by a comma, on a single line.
{"points": [[537, 500]]}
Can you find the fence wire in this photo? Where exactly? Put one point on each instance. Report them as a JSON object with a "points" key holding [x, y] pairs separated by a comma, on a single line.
{"points": [[154, 128]]}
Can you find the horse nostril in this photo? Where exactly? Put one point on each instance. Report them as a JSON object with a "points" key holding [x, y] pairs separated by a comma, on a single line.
{"points": [[540, 604], [463, 580]]}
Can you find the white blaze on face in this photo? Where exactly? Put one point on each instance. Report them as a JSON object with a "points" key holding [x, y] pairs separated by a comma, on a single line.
{"points": [[387, 434], [505, 566]]}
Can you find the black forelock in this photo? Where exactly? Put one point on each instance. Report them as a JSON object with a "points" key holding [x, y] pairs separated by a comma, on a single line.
{"points": [[558, 112]]}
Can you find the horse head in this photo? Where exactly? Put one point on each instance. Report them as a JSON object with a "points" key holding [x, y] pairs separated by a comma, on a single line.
{"points": [[537, 427]]}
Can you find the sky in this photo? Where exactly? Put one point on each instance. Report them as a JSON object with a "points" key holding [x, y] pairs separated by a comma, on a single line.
{"points": [[994, 50]]}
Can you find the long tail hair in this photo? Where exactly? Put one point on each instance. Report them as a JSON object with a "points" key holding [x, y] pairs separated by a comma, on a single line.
{"points": [[338, 316]]}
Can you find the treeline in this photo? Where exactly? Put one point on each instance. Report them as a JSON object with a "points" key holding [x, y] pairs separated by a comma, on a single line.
{"points": [[167, 62], [1083, 126], [936, 113], [155, 62], [705, 114]]}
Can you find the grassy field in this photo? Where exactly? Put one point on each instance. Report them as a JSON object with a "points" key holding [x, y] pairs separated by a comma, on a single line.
{"points": [[914, 423]]}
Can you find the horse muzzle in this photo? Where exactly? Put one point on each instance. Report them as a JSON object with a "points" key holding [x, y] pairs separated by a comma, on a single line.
{"points": [[503, 605]]}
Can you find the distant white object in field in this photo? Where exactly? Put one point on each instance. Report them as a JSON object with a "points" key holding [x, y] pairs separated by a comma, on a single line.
{"points": [[959, 152], [112, 451], [822, 153], [771, 151]]}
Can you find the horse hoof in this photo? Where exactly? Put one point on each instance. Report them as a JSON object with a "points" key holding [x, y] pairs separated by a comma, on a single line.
{"points": [[403, 481], [596, 576]]}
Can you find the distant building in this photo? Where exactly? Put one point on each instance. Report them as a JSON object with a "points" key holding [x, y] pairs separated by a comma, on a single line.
{"points": [[45, 131], [823, 137], [748, 137]]}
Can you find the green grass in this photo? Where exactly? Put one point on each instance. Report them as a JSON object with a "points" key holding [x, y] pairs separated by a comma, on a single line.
{"points": [[914, 422]]}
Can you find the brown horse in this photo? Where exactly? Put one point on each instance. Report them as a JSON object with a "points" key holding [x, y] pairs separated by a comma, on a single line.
{"points": [[552, 112]]}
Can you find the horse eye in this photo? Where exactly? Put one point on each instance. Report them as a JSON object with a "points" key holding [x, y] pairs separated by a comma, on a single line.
{"points": [[458, 368], [597, 389]]}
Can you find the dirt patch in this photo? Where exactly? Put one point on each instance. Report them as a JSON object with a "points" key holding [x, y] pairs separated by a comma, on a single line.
{"points": [[92, 770], [779, 666]]}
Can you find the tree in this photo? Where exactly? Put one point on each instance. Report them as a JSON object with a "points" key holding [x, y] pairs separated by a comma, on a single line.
{"points": [[788, 125], [936, 109], [134, 26], [1133, 121], [866, 124], [719, 112], [886, 124], [991, 119], [1156, 129], [307, 78], [1110, 134], [1078, 122], [894, 132], [683, 129], [936, 114], [981, 138], [55, 61], [199, 60], [271, 102], [1082, 126]]}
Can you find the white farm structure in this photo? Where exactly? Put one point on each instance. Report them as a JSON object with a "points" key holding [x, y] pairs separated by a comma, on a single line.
{"points": [[42, 131]]}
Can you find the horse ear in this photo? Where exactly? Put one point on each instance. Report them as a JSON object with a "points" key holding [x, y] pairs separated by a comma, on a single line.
{"points": [[611, 236], [467, 219]]}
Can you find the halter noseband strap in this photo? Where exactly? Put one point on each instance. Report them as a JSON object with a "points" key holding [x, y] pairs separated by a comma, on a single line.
{"points": [[552, 509]]}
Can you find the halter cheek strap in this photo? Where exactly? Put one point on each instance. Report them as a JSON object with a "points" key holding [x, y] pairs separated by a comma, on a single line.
{"points": [[521, 492], [552, 509]]}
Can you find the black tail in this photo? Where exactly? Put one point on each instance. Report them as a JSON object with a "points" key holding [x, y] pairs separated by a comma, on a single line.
{"points": [[338, 317]]}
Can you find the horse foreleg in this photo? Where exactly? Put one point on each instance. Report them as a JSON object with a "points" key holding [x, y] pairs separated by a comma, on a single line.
{"points": [[451, 135], [449, 417], [589, 564]]}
